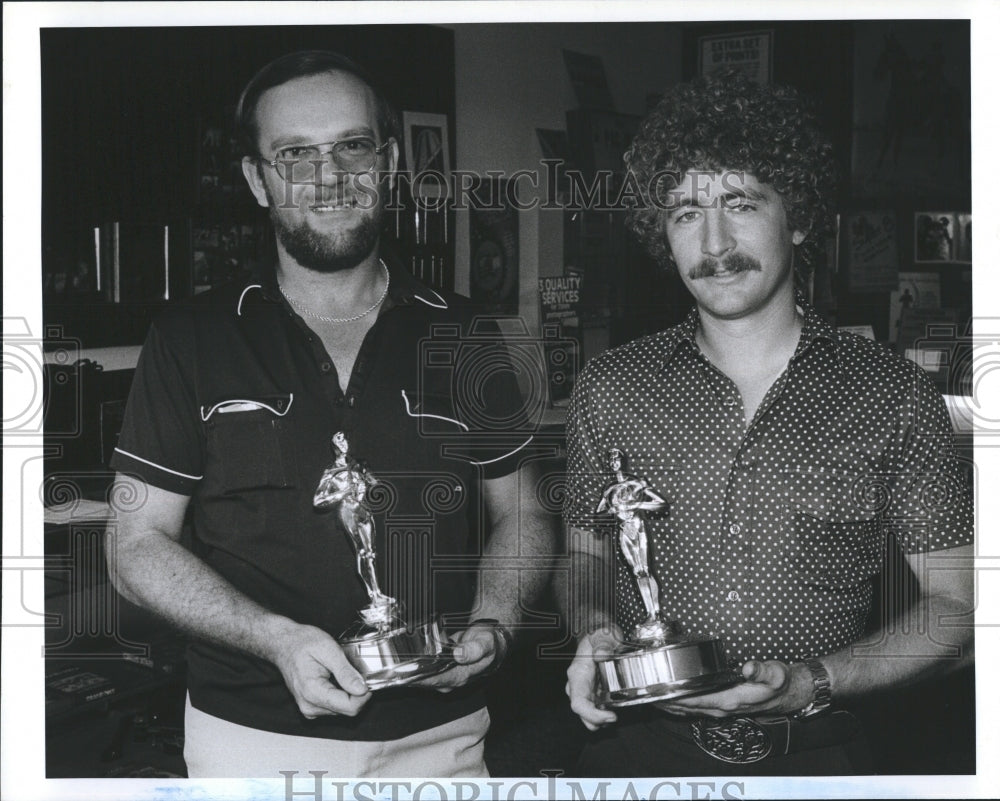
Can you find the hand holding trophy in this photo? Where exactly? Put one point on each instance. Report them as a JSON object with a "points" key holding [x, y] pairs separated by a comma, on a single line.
{"points": [[381, 647], [658, 662]]}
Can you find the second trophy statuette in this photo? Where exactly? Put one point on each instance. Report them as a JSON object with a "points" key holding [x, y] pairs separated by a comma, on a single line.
{"points": [[657, 663]]}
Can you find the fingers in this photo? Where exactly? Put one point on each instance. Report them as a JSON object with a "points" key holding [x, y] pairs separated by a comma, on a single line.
{"points": [[448, 680], [581, 701], [581, 681], [772, 673], [318, 700], [762, 691], [474, 653], [319, 676], [476, 644], [343, 673]]}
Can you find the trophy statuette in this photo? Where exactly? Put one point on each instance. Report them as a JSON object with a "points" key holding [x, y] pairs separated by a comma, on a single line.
{"points": [[381, 647], [657, 663]]}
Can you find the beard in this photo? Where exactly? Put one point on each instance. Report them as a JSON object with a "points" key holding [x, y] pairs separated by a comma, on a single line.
{"points": [[327, 253]]}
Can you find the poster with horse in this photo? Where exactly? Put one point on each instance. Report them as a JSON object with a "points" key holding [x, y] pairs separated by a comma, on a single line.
{"points": [[911, 130]]}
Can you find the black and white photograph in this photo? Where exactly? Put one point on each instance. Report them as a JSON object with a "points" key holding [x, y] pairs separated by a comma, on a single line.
{"points": [[640, 452]]}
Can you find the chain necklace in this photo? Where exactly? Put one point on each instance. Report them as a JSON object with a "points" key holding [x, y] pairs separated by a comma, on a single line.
{"points": [[303, 310]]}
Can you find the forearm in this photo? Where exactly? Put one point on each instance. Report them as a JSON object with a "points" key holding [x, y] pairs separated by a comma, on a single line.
{"points": [[516, 566], [518, 556], [918, 646], [589, 596], [160, 574]]}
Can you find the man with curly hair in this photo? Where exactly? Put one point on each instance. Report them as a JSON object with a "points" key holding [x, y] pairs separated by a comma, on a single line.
{"points": [[791, 456]]}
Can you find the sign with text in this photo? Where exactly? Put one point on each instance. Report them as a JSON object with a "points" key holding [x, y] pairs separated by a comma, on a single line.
{"points": [[559, 297], [748, 52], [872, 257]]}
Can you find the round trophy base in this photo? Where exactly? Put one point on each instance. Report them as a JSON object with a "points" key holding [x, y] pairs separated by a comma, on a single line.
{"points": [[643, 674], [400, 655]]}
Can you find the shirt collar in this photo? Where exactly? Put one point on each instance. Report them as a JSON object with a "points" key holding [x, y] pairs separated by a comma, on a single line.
{"points": [[814, 328], [404, 289]]}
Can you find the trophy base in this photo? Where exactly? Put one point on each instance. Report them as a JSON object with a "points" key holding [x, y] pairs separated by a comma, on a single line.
{"points": [[399, 655], [643, 674]]}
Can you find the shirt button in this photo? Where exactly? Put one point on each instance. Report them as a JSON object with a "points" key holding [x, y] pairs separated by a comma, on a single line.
{"points": [[325, 367], [732, 596], [735, 529]]}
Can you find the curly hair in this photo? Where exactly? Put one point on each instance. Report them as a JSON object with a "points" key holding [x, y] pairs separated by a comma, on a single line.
{"points": [[728, 122]]}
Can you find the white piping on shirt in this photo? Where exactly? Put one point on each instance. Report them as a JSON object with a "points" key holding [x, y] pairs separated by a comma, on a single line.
{"points": [[510, 453], [158, 466], [406, 403], [432, 305], [259, 404], [239, 304]]}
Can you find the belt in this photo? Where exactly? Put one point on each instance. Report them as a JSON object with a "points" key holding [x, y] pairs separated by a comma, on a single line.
{"points": [[746, 740]]}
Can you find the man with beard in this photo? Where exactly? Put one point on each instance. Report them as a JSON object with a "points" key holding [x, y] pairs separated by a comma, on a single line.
{"points": [[236, 400], [790, 455]]}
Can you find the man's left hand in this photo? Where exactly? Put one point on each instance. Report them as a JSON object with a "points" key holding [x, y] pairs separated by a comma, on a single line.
{"points": [[475, 651], [770, 687]]}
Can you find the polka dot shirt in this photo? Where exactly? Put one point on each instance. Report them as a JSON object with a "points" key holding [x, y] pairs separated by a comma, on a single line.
{"points": [[773, 531]]}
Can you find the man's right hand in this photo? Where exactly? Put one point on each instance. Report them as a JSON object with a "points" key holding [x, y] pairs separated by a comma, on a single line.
{"points": [[317, 673], [581, 686]]}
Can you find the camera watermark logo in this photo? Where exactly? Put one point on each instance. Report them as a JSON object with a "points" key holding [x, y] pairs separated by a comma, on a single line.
{"points": [[35, 369], [491, 381], [966, 363]]}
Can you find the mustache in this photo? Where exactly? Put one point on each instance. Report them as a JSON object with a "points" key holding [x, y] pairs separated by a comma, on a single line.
{"points": [[733, 263]]}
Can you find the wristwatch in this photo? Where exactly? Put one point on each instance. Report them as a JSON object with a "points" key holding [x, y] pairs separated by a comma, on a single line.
{"points": [[502, 640], [821, 698]]}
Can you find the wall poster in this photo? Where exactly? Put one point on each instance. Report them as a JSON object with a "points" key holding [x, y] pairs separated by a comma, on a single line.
{"points": [[748, 52]]}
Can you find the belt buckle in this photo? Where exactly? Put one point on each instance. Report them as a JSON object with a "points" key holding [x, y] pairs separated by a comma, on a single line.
{"points": [[738, 741]]}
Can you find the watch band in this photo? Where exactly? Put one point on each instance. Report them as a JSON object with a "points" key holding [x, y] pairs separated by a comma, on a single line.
{"points": [[822, 696], [502, 640]]}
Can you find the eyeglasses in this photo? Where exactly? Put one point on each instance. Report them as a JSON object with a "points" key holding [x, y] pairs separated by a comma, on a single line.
{"points": [[302, 163]]}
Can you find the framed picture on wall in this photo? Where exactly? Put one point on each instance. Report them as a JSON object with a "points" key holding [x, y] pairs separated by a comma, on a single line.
{"points": [[425, 148], [934, 237]]}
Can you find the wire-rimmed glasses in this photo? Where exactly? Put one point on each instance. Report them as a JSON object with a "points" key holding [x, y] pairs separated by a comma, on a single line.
{"points": [[300, 163]]}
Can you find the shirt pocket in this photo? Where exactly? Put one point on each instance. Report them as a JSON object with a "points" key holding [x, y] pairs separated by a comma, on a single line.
{"points": [[432, 413], [838, 539], [247, 442]]}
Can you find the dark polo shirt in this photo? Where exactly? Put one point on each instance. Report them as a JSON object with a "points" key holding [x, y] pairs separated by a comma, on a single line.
{"points": [[234, 403]]}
